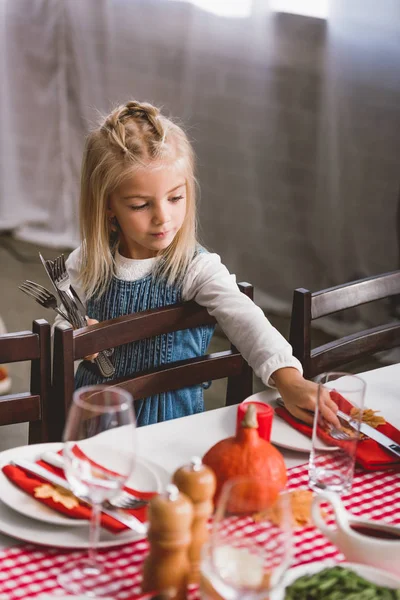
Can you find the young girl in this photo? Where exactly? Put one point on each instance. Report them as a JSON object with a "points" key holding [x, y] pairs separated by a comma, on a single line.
{"points": [[139, 251]]}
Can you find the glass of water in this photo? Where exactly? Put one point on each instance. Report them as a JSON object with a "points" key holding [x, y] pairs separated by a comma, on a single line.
{"points": [[250, 546], [99, 456], [334, 446]]}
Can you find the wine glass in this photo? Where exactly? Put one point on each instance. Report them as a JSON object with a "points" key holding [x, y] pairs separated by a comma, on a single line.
{"points": [[250, 544], [99, 456]]}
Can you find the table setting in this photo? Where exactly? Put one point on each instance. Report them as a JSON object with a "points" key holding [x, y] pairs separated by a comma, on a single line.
{"points": [[46, 533]]}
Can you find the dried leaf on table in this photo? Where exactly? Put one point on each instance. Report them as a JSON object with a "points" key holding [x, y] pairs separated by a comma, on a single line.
{"points": [[300, 502]]}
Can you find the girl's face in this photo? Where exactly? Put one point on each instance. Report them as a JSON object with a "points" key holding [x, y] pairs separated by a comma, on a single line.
{"points": [[150, 207]]}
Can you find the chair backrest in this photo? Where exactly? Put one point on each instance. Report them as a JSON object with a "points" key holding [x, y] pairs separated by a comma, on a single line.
{"points": [[71, 345], [308, 306], [31, 406]]}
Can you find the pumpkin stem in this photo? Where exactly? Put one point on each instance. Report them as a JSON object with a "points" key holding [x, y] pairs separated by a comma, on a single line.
{"points": [[250, 417]]}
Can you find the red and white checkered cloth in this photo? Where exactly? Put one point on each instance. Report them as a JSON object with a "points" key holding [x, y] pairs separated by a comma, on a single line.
{"points": [[30, 571]]}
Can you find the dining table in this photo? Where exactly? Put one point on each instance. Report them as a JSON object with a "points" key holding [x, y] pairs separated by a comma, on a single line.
{"points": [[173, 443]]}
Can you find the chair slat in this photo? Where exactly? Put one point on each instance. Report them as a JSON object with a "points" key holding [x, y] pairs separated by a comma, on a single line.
{"points": [[19, 408], [15, 347], [183, 374], [354, 293], [146, 324], [355, 346]]}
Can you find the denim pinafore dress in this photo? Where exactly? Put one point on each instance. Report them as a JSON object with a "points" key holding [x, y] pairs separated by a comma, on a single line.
{"points": [[127, 297]]}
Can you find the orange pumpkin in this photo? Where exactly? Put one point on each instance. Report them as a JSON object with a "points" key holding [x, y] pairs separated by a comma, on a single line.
{"points": [[246, 454]]}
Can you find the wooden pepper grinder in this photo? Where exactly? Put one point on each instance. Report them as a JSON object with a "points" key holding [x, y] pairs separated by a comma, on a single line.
{"points": [[167, 565], [198, 482]]}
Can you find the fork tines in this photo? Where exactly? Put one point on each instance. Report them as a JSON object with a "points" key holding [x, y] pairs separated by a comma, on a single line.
{"points": [[35, 289], [59, 268]]}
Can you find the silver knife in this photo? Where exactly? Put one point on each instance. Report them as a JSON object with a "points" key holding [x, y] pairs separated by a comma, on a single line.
{"points": [[128, 520], [372, 433]]}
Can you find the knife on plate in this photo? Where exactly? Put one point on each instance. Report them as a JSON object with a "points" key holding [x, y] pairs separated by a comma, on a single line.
{"points": [[124, 518], [372, 433]]}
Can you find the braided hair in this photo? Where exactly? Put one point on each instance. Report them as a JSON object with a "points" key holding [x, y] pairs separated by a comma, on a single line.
{"points": [[134, 126]]}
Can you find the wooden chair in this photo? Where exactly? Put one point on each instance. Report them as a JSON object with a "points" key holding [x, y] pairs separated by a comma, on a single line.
{"points": [[71, 345], [308, 306], [32, 406]]}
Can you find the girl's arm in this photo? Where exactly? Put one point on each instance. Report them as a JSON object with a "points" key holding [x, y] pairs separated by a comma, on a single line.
{"points": [[210, 284]]}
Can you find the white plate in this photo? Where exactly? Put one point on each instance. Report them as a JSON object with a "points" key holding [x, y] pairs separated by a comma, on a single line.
{"points": [[144, 478], [370, 574], [67, 535], [282, 434]]}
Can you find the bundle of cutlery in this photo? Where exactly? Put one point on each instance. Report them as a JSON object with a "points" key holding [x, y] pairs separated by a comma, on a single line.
{"points": [[71, 307]]}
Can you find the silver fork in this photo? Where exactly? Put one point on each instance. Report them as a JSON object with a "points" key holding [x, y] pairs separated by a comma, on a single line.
{"points": [[73, 316], [126, 501], [42, 296], [58, 269], [338, 435], [62, 283], [62, 269]]}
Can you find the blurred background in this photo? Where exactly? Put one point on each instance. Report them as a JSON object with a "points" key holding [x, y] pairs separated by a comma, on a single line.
{"points": [[293, 108]]}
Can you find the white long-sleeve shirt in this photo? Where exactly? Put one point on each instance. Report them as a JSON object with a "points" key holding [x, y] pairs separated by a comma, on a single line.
{"points": [[210, 284]]}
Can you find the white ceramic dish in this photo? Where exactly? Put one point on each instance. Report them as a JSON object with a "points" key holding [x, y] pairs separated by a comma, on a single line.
{"points": [[370, 574], [66, 534], [144, 478], [282, 434]]}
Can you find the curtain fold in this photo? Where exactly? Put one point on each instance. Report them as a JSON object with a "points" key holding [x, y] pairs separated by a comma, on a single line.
{"points": [[294, 121]]}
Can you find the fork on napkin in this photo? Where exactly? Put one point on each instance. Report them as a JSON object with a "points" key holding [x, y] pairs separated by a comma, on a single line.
{"points": [[58, 501], [370, 455]]}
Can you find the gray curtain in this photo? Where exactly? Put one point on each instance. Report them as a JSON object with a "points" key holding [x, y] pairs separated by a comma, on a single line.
{"points": [[295, 122]]}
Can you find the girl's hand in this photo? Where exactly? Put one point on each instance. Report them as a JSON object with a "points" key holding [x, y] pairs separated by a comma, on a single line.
{"points": [[300, 396], [91, 357]]}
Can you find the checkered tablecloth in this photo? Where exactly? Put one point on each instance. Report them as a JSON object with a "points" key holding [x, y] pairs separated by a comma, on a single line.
{"points": [[30, 571]]}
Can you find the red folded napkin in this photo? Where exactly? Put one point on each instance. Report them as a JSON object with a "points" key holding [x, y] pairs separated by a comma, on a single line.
{"points": [[370, 455], [28, 483]]}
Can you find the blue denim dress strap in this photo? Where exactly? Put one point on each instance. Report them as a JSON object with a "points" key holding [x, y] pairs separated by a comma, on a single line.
{"points": [[126, 297]]}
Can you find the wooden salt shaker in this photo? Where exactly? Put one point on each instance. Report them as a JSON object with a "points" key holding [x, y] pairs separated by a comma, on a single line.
{"points": [[198, 482], [167, 565]]}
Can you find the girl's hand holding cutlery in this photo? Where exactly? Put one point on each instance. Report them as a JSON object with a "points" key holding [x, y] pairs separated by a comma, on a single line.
{"points": [[300, 396]]}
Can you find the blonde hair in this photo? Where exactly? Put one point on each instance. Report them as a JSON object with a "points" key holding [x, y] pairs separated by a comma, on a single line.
{"points": [[133, 135]]}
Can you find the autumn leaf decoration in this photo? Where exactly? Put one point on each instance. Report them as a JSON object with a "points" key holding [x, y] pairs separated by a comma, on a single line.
{"points": [[57, 494]]}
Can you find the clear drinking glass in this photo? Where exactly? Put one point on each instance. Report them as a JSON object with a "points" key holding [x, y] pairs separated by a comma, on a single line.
{"points": [[250, 545], [333, 451], [99, 455]]}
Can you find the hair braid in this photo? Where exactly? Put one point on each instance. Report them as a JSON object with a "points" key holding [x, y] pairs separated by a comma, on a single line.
{"points": [[115, 123], [144, 110]]}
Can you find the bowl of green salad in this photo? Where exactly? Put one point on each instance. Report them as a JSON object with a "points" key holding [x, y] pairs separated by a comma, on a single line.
{"points": [[341, 581]]}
